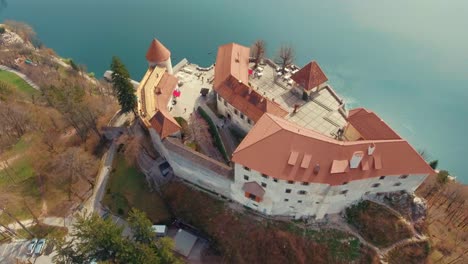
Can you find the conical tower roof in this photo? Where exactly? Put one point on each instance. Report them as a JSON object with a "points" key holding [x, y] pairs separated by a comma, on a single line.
{"points": [[157, 52]]}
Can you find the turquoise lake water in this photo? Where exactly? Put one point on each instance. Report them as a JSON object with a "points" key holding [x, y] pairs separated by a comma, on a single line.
{"points": [[405, 60]]}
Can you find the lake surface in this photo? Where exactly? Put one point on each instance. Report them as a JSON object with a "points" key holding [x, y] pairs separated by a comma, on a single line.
{"points": [[405, 60]]}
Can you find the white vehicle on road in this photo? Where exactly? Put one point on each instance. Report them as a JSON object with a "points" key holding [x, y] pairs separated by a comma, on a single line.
{"points": [[32, 244], [40, 247]]}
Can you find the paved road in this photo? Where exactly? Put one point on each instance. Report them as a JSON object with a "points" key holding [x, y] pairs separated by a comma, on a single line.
{"points": [[10, 252]]}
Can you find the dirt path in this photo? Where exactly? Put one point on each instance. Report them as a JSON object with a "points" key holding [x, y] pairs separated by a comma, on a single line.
{"points": [[6, 163]]}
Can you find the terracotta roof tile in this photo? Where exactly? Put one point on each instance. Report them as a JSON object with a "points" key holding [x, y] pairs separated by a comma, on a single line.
{"points": [[164, 124], [310, 76], [231, 82], [157, 52], [274, 139], [369, 125], [162, 121]]}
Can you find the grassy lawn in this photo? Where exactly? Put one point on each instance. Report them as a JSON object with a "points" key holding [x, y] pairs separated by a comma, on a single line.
{"points": [[127, 188], [16, 81], [376, 224], [20, 171]]}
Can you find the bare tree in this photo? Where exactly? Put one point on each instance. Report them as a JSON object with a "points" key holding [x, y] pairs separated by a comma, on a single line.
{"points": [[285, 56], [133, 147], [25, 31], [258, 51]]}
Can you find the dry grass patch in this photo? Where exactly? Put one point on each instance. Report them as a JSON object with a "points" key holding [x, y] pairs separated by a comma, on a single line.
{"points": [[376, 224], [243, 239]]}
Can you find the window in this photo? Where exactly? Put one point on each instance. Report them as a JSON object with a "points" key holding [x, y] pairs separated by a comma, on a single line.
{"points": [[305, 183], [286, 200], [403, 176], [290, 182], [397, 184], [302, 192], [219, 98], [288, 190], [275, 180], [246, 168], [264, 176], [264, 184], [242, 116], [375, 185], [299, 201], [344, 183], [236, 112], [246, 177], [344, 192], [317, 202], [249, 121], [225, 103], [381, 177]]}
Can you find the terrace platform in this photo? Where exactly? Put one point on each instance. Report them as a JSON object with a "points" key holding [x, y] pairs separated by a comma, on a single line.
{"points": [[321, 113]]}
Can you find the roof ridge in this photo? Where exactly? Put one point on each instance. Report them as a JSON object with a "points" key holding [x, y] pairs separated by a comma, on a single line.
{"points": [[241, 148]]}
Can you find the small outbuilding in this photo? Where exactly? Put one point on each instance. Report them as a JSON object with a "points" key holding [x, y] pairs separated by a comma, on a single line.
{"points": [[160, 230], [184, 242]]}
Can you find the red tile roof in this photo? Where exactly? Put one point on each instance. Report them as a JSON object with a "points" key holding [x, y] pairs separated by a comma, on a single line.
{"points": [[310, 76], [157, 52], [162, 121], [369, 125], [164, 124], [231, 82], [274, 139]]}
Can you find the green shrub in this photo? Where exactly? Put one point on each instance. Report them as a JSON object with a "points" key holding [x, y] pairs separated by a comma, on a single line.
{"points": [[442, 177], [2, 30], [74, 66], [214, 133]]}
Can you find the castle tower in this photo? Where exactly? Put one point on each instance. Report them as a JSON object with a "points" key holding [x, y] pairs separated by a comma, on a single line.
{"points": [[158, 55]]}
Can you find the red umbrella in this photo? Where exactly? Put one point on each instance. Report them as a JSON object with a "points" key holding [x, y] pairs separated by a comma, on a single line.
{"points": [[176, 93]]}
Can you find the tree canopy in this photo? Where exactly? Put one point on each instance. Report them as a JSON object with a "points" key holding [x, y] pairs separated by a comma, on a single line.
{"points": [[98, 239], [122, 86]]}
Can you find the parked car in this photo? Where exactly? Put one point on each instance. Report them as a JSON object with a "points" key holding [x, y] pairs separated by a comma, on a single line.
{"points": [[32, 244], [165, 168], [40, 247]]}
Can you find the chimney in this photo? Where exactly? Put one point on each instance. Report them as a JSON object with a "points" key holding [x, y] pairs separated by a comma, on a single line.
{"points": [[356, 159], [157, 90], [316, 169], [371, 149]]}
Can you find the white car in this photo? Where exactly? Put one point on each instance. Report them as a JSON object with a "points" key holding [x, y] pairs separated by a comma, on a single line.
{"points": [[32, 244], [40, 247]]}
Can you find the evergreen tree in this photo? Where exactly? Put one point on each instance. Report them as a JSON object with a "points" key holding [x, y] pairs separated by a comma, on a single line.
{"points": [[96, 239], [141, 226], [74, 66], [434, 164], [122, 86]]}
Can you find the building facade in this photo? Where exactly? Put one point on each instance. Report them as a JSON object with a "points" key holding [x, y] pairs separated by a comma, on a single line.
{"points": [[304, 158]]}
